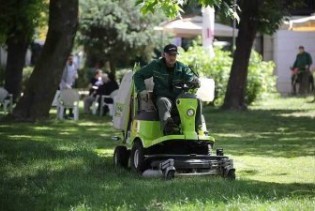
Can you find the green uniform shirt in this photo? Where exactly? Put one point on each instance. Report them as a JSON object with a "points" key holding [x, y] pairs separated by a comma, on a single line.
{"points": [[163, 79], [302, 59]]}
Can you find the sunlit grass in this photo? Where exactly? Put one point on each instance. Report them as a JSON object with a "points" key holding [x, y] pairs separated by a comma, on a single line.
{"points": [[67, 165], [279, 170]]}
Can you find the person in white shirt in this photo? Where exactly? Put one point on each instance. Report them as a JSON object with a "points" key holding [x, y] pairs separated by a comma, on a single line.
{"points": [[69, 75]]}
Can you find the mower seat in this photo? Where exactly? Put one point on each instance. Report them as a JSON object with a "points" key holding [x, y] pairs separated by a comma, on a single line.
{"points": [[147, 110]]}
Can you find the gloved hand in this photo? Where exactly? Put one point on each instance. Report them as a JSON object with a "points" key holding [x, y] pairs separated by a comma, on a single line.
{"points": [[143, 95], [196, 82]]}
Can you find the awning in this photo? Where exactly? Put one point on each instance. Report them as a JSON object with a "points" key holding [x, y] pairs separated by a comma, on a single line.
{"points": [[301, 23], [190, 27]]}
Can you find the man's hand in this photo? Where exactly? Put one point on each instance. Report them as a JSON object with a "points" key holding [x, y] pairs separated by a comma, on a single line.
{"points": [[143, 95], [294, 71], [196, 82]]}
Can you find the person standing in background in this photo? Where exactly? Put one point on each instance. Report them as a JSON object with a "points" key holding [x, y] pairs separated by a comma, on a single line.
{"points": [[69, 75]]}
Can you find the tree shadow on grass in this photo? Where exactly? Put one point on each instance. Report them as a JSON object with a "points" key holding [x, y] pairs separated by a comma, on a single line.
{"points": [[55, 166], [277, 133], [96, 184], [88, 134]]}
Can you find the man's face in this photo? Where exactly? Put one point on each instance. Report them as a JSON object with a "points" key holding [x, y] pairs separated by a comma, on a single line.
{"points": [[170, 59], [301, 50]]}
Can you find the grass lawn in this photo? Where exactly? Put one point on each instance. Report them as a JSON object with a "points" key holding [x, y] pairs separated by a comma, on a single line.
{"points": [[67, 165]]}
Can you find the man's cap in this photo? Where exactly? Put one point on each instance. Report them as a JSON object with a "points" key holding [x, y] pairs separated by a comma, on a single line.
{"points": [[170, 48], [301, 47]]}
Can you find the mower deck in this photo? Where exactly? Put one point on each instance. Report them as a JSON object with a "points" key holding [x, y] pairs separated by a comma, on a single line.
{"points": [[191, 165]]}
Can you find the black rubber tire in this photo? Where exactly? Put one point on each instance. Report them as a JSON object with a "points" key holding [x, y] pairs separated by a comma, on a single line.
{"points": [[170, 175], [137, 158], [231, 175], [121, 156]]}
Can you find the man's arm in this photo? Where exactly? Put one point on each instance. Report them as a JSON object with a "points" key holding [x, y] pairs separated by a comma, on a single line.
{"points": [[142, 74], [309, 62], [295, 62], [191, 76], [63, 83]]}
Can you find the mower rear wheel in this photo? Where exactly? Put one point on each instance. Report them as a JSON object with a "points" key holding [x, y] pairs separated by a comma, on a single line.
{"points": [[121, 156], [137, 158]]}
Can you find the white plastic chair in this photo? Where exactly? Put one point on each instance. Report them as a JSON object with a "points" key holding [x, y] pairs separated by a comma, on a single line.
{"points": [[95, 104], [56, 99], [109, 105], [69, 98], [6, 99]]}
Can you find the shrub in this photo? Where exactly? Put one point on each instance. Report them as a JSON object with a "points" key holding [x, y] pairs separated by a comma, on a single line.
{"points": [[260, 73], [261, 79]]}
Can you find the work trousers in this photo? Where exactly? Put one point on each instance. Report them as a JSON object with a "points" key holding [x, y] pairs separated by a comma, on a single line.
{"points": [[166, 106]]}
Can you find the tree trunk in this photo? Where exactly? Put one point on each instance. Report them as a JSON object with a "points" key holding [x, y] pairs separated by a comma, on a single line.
{"points": [[112, 66], [235, 94], [17, 47], [42, 85]]}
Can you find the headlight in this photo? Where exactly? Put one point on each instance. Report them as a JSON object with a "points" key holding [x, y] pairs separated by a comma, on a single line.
{"points": [[190, 112]]}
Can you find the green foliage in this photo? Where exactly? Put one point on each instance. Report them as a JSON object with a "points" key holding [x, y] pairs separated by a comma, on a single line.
{"points": [[260, 73], [116, 31], [168, 7], [173, 9], [21, 17], [261, 79]]}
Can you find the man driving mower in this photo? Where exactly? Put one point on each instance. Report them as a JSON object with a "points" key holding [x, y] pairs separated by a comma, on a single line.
{"points": [[166, 73]]}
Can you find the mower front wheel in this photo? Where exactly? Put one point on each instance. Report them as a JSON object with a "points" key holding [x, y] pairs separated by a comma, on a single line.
{"points": [[121, 156], [231, 175], [137, 158]]}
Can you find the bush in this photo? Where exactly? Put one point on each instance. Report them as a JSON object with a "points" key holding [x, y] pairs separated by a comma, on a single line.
{"points": [[260, 78]]}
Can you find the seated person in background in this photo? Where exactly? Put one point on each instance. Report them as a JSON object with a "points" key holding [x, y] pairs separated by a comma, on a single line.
{"points": [[109, 85], [166, 73], [94, 84]]}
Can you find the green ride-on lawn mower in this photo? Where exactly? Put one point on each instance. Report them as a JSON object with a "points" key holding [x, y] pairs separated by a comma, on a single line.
{"points": [[146, 150]]}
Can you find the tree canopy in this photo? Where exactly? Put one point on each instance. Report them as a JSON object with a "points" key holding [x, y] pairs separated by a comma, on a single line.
{"points": [[108, 29], [173, 10], [20, 17]]}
